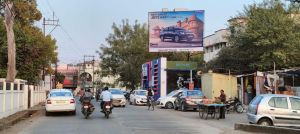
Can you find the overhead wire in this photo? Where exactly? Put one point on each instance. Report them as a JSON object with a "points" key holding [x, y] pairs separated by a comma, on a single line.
{"points": [[65, 31]]}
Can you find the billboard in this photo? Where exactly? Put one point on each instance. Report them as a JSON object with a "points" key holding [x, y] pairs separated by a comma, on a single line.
{"points": [[176, 31]]}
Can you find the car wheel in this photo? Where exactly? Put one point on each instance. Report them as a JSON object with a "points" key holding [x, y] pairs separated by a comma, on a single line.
{"points": [[124, 106], [265, 122], [182, 107], [169, 105], [162, 38], [176, 38]]}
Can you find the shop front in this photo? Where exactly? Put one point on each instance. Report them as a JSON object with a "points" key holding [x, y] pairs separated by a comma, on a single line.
{"points": [[165, 76]]}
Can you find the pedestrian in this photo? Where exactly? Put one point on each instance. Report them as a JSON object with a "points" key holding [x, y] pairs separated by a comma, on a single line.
{"points": [[223, 100]]}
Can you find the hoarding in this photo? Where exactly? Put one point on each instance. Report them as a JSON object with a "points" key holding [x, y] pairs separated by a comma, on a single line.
{"points": [[176, 31]]}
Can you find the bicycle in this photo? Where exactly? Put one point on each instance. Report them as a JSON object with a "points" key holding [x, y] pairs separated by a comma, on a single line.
{"points": [[151, 102]]}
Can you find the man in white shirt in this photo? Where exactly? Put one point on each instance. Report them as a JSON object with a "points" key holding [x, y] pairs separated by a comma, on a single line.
{"points": [[105, 96]]}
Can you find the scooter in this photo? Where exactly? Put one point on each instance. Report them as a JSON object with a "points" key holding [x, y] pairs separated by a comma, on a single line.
{"points": [[86, 108], [234, 105]]}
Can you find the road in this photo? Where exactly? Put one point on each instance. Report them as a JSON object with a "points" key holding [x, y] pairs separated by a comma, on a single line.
{"points": [[129, 120]]}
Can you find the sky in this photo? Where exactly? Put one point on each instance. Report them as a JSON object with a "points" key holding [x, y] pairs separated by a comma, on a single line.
{"points": [[84, 24]]}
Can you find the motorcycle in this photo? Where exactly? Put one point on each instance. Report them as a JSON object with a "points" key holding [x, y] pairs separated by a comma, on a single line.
{"points": [[234, 105], [86, 108], [107, 107]]}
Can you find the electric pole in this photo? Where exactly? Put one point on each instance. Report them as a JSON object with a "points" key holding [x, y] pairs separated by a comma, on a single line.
{"points": [[54, 23]]}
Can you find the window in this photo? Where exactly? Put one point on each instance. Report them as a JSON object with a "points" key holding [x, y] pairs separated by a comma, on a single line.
{"points": [[278, 102], [15, 86], [295, 102], [60, 94], [1, 85], [8, 86], [256, 100]]}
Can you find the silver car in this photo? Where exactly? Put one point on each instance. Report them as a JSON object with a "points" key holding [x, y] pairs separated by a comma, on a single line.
{"points": [[275, 109]]}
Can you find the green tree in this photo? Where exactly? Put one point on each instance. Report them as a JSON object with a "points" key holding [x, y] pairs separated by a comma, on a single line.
{"points": [[125, 53], [34, 52], [269, 32]]}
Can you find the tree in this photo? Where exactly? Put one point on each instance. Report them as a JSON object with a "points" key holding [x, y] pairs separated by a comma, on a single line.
{"points": [[125, 53], [270, 33], [34, 52]]}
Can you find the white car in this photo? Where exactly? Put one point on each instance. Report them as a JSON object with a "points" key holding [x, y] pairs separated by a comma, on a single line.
{"points": [[168, 101], [60, 100], [118, 97], [138, 97]]}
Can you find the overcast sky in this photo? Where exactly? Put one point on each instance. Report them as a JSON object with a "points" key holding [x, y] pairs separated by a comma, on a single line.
{"points": [[86, 23]]}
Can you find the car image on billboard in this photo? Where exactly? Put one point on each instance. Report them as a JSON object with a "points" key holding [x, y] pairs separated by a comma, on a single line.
{"points": [[176, 31]]}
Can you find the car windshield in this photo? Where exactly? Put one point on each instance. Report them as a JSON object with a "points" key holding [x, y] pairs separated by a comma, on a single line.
{"points": [[60, 94], [172, 93], [194, 93], [116, 91], [141, 92]]}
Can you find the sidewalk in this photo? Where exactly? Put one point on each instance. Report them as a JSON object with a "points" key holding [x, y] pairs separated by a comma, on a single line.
{"points": [[19, 116]]}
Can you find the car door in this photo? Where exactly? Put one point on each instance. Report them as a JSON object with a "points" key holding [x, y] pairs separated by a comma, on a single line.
{"points": [[279, 110], [177, 100], [295, 110]]}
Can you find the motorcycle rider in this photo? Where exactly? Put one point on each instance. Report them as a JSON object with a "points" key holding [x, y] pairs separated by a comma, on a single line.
{"points": [[88, 96], [106, 97]]}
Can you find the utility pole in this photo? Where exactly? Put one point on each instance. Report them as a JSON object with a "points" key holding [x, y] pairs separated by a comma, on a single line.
{"points": [[50, 22]]}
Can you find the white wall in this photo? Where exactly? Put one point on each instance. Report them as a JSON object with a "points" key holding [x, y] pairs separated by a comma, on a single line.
{"points": [[15, 98]]}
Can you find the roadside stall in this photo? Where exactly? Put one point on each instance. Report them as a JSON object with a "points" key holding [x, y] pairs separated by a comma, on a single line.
{"points": [[211, 107]]}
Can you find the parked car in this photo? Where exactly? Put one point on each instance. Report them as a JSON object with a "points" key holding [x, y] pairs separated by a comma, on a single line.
{"points": [[274, 109], [177, 34], [60, 100], [188, 99], [168, 101], [118, 97], [138, 97]]}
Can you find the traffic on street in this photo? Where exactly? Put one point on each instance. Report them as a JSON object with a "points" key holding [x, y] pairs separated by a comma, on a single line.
{"points": [[149, 67]]}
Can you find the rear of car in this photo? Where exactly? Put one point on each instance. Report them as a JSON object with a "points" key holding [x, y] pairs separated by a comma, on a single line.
{"points": [[191, 98], [253, 108], [60, 100], [118, 98]]}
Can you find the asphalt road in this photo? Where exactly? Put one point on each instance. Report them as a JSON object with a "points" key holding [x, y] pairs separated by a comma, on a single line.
{"points": [[128, 120]]}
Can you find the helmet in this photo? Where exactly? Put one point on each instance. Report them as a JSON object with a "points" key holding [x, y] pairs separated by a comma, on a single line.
{"points": [[105, 88]]}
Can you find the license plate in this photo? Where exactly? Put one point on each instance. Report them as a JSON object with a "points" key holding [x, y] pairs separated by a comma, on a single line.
{"points": [[60, 102], [85, 106], [107, 106]]}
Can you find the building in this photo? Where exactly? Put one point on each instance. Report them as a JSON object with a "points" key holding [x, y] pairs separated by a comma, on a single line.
{"points": [[71, 75], [214, 43]]}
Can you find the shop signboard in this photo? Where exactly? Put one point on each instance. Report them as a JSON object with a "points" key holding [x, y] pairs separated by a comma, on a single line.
{"points": [[181, 65], [176, 31]]}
